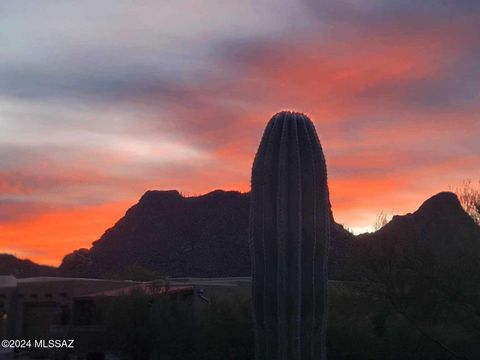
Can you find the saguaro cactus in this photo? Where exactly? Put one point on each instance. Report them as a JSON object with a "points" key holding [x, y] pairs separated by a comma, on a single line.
{"points": [[289, 236]]}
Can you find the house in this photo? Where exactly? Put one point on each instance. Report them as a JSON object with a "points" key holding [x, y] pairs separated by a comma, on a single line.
{"points": [[52, 307], [41, 308], [31, 308]]}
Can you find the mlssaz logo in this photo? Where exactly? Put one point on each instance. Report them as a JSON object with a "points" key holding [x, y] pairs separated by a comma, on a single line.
{"points": [[49, 344]]}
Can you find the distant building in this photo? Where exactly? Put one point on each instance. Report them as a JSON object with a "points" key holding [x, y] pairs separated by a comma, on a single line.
{"points": [[42, 308], [54, 307], [33, 308]]}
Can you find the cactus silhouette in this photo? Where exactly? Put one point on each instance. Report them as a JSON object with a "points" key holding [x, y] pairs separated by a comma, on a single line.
{"points": [[289, 236]]}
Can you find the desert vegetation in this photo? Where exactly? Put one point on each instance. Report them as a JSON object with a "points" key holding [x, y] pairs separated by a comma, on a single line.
{"points": [[469, 195], [363, 323]]}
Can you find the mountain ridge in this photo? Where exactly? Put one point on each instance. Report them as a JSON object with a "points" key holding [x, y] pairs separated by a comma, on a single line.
{"points": [[12, 265], [207, 235]]}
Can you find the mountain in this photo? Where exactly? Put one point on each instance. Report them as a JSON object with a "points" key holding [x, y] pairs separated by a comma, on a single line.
{"points": [[439, 226], [207, 235], [178, 236], [175, 236], [439, 235], [11, 265]]}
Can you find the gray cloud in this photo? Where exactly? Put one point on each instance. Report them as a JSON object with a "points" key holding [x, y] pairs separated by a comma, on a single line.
{"points": [[12, 210]]}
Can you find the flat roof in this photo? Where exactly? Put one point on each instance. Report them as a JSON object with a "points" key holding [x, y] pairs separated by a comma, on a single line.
{"points": [[53, 278], [12, 281]]}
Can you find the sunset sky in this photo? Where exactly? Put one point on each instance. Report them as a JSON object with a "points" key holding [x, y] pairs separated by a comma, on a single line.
{"points": [[103, 100]]}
